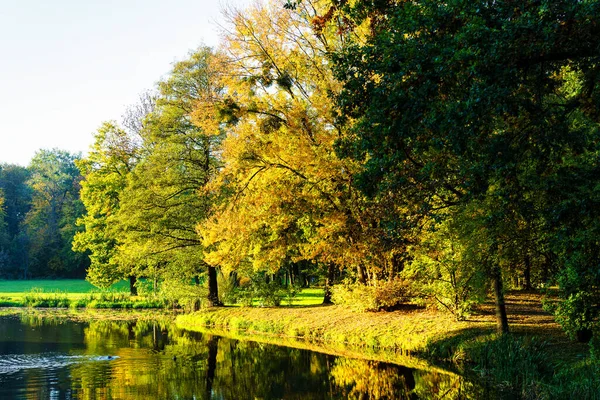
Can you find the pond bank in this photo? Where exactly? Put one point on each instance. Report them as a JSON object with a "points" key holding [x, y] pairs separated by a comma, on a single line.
{"points": [[411, 330], [534, 362], [405, 331]]}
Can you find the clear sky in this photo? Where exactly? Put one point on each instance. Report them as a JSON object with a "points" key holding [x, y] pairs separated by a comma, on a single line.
{"points": [[68, 65]]}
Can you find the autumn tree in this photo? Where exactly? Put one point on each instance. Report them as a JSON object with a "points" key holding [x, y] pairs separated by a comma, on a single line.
{"points": [[290, 196]]}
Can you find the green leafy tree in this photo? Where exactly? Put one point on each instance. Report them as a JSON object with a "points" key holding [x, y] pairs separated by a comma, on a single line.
{"points": [[105, 171], [50, 223], [163, 200], [446, 269], [461, 102], [4, 239], [17, 202]]}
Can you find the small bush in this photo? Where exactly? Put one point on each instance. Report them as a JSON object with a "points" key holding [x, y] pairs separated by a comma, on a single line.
{"points": [[357, 297], [575, 314], [392, 293], [178, 293], [383, 295]]}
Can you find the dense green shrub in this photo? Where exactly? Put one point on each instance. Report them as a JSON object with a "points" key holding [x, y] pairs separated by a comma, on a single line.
{"points": [[576, 314], [446, 269]]}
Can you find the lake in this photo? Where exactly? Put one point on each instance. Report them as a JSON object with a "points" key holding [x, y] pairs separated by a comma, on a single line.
{"points": [[56, 358]]}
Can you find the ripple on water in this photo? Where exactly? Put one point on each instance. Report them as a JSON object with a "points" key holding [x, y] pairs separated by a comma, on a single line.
{"points": [[12, 363]]}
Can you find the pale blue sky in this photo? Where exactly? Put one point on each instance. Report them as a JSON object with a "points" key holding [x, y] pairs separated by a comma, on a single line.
{"points": [[68, 65]]}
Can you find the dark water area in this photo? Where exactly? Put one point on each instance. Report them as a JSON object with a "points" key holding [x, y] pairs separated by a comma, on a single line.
{"points": [[61, 359]]}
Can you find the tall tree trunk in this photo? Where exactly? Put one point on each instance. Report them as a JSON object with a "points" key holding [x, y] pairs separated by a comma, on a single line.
{"points": [[213, 288], [132, 288], [501, 317], [329, 283], [296, 273], [546, 267], [213, 348], [197, 303], [362, 278], [292, 277], [527, 273]]}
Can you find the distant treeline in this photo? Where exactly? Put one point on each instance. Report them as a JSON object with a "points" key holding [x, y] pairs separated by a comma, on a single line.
{"points": [[39, 206]]}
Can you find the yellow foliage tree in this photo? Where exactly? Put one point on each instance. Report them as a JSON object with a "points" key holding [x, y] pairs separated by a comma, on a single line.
{"points": [[289, 197]]}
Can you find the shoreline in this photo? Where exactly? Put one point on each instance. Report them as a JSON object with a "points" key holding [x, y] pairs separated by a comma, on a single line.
{"points": [[421, 332], [536, 359], [403, 332]]}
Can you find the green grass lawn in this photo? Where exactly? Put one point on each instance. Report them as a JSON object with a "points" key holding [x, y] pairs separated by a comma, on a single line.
{"points": [[78, 288], [73, 287], [309, 297]]}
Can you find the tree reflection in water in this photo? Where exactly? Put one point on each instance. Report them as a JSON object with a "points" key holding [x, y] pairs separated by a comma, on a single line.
{"points": [[158, 361]]}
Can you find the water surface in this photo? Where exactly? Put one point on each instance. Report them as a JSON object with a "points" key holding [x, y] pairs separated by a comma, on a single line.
{"points": [[62, 359]]}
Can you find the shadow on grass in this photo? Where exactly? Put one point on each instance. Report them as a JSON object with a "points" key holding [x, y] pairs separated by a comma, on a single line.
{"points": [[446, 347]]}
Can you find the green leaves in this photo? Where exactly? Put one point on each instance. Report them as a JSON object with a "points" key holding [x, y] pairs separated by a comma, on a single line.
{"points": [[50, 223], [483, 109]]}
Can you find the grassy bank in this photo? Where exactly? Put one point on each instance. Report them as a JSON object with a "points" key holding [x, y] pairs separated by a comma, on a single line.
{"points": [[330, 324], [536, 361], [412, 330], [89, 315], [99, 300]]}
